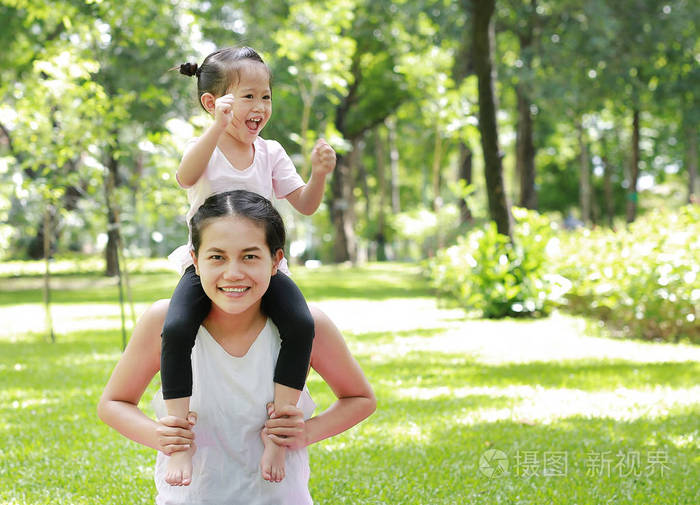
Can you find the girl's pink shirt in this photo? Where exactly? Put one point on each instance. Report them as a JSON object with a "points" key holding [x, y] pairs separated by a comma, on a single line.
{"points": [[272, 173]]}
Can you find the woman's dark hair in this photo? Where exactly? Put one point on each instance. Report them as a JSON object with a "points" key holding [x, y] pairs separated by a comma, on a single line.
{"points": [[221, 69], [244, 204]]}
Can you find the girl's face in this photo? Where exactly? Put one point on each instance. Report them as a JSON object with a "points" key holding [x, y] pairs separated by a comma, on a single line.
{"points": [[234, 264], [252, 105]]}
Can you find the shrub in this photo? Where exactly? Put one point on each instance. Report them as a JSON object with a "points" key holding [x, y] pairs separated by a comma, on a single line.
{"points": [[485, 272], [642, 281]]}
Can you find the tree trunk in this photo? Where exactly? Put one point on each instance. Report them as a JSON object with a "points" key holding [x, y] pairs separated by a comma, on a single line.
{"points": [[691, 149], [112, 248], [49, 213], [344, 243], [483, 33], [37, 246], [632, 196], [437, 163], [584, 177], [358, 168], [525, 152], [112, 251], [608, 193], [380, 156], [463, 66], [465, 174], [341, 205], [394, 165], [524, 143]]}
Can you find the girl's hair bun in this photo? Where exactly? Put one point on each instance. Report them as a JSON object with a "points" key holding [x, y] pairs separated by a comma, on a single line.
{"points": [[189, 69]]}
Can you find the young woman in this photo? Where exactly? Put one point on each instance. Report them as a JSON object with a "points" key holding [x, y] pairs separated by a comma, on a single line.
{"points": [[237, 240]]}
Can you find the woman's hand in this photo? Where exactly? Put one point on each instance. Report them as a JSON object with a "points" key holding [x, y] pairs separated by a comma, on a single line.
{"points": [[287, 427], [175, 434]]}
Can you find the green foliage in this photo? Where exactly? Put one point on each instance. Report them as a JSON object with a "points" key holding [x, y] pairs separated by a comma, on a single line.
{"points": [[488, 273], [642, 281], [86, 81]]}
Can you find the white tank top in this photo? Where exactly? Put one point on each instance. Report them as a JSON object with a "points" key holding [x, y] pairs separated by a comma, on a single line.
{"points": [[229, 395]]}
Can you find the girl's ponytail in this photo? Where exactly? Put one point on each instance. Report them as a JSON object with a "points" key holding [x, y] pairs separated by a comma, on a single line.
{"points": [[189, 69]]}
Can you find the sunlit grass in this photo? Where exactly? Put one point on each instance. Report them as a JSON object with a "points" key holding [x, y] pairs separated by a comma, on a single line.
{"points": [[448, 390]]}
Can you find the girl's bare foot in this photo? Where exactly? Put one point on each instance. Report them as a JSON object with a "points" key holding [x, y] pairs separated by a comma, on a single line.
{"points": [[272, 461], [178, 471]]}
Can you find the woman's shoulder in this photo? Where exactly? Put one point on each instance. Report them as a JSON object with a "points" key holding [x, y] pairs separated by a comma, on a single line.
{"points": [[145, 341], [155, 314]]}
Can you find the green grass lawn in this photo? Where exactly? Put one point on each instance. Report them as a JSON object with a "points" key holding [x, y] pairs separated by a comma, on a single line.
{"points": [[470, 412]]}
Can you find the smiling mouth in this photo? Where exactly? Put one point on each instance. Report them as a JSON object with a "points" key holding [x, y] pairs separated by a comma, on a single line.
{"points": [[234, 290], [253, 124]]}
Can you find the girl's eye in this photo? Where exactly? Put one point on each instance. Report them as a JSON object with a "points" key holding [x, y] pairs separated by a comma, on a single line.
{"points": [[267, 97], [248, 96]]}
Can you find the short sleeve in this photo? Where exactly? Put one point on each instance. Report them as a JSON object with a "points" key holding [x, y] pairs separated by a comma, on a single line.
{"points": [[285, 178]]}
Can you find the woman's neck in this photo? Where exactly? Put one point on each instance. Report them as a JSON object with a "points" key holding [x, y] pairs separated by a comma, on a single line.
{"points": [[222, 325]]}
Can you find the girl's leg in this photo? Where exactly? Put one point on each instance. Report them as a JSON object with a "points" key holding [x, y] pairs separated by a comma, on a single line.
{"points": [[286, 306], [188, 308]]}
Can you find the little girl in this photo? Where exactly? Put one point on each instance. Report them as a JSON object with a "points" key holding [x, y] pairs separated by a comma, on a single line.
{"points": [[234, 87]]}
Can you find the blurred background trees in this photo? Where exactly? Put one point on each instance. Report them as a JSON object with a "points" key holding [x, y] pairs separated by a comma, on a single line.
{"points": [[443, 114]]}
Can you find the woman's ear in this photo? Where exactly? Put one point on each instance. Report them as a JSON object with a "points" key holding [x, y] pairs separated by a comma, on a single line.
{"points": [[209, 102], [276, 258], [194, 262]]}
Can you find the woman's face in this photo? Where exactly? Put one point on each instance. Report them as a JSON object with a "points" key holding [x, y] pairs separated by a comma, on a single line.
{"points": [[234, 263]]}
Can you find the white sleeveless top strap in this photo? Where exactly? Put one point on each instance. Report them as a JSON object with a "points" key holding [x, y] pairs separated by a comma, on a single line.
{"points": [[229, 395]]}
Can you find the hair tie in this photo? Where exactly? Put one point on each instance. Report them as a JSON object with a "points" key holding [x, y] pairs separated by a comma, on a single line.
{"points": [[190, 69]]}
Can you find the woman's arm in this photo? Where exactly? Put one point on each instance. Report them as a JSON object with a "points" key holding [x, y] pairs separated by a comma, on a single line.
{"points": [[331, 358], [118, 406]]}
